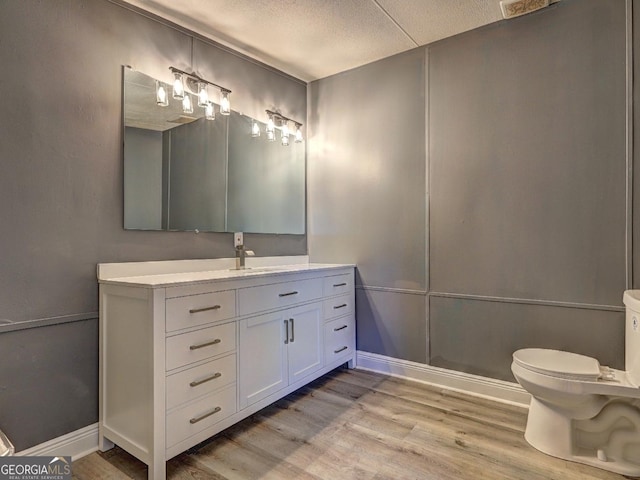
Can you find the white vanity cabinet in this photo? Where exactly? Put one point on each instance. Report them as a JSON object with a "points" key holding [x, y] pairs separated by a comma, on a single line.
{"points": [[183, 356], [279, 348]]}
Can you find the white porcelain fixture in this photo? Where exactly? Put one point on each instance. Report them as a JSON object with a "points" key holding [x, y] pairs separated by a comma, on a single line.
{"points": [[187, 351], [582, 411]]}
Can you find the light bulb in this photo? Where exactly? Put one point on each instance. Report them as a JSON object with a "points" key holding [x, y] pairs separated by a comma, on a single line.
{"points": [[187, 106], [162, 98], [255, 129], [203, 95], [285, 135], [209, 111], [270, 125], [178, 86], [225, 104], [298, 133], [271, 135]]}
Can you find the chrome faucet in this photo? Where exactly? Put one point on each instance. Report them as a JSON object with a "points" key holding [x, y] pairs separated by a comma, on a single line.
{"points": [[241, 254]]}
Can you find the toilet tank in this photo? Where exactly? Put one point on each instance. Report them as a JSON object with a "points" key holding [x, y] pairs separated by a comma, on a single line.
{"points": [[631, 299]]}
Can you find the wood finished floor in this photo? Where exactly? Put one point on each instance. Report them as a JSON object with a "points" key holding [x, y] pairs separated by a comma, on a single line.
{"points": [[353, 424]]}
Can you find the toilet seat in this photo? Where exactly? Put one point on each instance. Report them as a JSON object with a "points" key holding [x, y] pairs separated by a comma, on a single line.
{"points": [[559, 364]]}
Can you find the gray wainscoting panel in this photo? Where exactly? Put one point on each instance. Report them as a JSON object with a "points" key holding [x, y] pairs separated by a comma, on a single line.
{"points": [[527, 157], [392, 324], [479, 337], [48, 381], [366, 171]]}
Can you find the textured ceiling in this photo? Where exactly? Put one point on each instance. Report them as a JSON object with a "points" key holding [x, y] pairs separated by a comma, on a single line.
{"points": [[312, 39]]}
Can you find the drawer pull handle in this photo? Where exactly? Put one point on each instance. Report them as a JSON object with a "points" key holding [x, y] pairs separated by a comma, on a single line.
{"points": [[292, 339], [204, 415], [344, 284], [340, 328], [340, 349], [195, 383], [287, 294], [340, 306], [286, 332], [205, 309], [202, 345]]}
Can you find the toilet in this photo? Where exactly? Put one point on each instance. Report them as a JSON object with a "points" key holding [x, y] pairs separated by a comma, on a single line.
{"points": [[582, 411]]}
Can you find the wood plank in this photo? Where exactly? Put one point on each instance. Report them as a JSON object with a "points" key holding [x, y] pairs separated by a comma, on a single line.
{"points": [[353, 424]]}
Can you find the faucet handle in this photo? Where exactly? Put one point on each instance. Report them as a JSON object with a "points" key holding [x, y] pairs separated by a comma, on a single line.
{"points": [[250, 253]]}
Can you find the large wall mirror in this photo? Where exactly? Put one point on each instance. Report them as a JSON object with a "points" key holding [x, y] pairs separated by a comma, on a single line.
{"points": [[186, 173]]}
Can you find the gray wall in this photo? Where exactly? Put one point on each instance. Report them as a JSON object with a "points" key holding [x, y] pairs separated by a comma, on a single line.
{"points": [[526, 230], [366, 194], [61, 184]]}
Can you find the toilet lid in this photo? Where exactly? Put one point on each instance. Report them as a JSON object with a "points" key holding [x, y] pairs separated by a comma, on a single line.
{"points": [[558, 364]]}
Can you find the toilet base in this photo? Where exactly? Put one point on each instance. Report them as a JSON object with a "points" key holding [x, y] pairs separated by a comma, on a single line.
{"points": [[553, 433]]}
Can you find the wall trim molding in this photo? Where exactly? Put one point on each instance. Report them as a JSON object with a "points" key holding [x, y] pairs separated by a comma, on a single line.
{"points": [[528, 301], [407, 291], [76, 444], [490, 388], [11, 326]]}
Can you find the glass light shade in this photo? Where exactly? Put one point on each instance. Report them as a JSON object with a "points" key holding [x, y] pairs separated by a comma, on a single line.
{"points": [[203, 95], [209, 111], [255, 129], [187, 105], [162, 98], [270, 125], [299, 137], [285, 135], [225, 104], [271, 135], [178, 86]]}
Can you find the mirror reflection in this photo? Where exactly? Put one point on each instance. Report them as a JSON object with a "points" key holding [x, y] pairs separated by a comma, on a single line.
{"points": [[184, 172]]}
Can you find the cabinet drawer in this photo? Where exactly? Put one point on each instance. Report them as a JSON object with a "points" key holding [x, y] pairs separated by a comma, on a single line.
{"points": [[338, 306], [267, 297], [199, 345], [339, 338], [338, 284], [194, 310], [197, 381], [198, 416]]}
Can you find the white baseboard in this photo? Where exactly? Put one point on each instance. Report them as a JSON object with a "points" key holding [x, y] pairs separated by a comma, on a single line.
{"points": [[75, 444], [499, 390]]}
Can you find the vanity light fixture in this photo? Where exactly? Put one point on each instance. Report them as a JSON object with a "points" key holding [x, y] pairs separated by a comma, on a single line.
{"points": [[225, 104], [187, 105], [279, 121], [255, 129], [285, 134], [199, 87], [178, 85], [271, 128], [162, 98], [210, 111], [203, 95], [299, 137]]}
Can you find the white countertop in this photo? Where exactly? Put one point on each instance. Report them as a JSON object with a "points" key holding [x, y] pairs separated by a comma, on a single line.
{"points": [[180, 272]]}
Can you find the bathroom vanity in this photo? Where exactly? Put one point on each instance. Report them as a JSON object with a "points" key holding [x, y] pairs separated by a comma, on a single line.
{"points": [[189, 348]]}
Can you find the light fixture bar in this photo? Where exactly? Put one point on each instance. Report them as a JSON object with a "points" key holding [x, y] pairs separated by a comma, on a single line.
{"points": [[199, 79], [282, 118]]}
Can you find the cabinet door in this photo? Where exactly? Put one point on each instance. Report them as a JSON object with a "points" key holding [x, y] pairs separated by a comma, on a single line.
{"points": [[305, 350], [263, 357]]}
